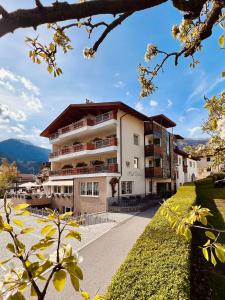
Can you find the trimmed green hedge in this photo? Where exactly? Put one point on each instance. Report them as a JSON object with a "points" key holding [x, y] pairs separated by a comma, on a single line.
{"points": [[158, 265]]}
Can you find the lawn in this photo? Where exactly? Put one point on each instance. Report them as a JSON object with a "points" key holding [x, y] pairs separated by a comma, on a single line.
{"points": [[214, 199]]}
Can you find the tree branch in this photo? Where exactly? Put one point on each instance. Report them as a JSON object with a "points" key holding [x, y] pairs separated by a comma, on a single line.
{"points": [[25, 18], [109, 28]]}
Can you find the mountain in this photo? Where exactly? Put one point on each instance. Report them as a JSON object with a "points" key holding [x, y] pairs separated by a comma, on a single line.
{"points": [[28, 157], [191, 142]]}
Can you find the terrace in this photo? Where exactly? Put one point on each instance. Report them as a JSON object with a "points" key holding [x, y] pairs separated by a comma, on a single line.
{"points": [[91, 169], [85, 148], [87, 122]]}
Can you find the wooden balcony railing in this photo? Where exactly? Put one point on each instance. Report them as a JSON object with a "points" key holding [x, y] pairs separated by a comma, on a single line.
{"points": [[185, 168], [153, 172], [84, 122], [85, 146], [111, 168], [151, 128], [151, 150]]}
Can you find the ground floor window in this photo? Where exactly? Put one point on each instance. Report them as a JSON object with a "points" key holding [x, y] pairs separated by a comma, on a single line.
{"points": [[68, 189], [126, 187], [67, 209], [89, 188], [57, 189], [112, 160]]}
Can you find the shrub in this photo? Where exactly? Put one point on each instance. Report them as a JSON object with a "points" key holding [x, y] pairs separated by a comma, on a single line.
{"points": [[217, 176], [158, 265]]}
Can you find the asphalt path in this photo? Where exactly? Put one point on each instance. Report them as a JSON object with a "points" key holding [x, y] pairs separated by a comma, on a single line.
{"points": [[102, 258]]}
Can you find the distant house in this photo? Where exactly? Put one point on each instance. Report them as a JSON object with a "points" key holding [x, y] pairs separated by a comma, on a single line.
{"points": [[206, 167]]}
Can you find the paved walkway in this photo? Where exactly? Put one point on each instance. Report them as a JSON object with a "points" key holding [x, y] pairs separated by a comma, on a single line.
{"points": [[104, 256]]}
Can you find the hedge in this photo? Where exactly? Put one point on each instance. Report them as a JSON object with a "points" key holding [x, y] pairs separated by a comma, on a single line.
{"points": [[158, 265]]}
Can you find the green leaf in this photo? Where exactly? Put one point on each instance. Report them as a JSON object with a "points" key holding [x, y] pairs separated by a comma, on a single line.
{"points": [[2, 262], [213, 260], [26, 230], [220, 255], [223, 74], [42, 221], [33, 292], [21, 206], [75, 282], [50, 69], [16, 296], [73, 234], [205, 253], [18, 222], [210, 235], [51, 232], [11, 247], [41, 256], [85, 295], [45, 229], [66, 215], [23, 213], [73, 223], [59, 280], [222, 41]]}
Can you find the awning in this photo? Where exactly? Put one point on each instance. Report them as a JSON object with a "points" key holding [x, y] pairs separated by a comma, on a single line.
{"points": [[58, 183], [29, 185]]}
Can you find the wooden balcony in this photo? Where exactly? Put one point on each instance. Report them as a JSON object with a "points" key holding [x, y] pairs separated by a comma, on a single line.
{"points": [[153, 150], [112, 168], [84, 122], [85, 146], [152, 128], [185, 168], [153, 172]]}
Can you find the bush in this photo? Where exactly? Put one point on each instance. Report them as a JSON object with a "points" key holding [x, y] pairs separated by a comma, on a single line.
{"points": [[217, 176], [158, 266]]}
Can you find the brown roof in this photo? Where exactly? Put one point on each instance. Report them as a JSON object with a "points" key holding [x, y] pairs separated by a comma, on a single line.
{"points": [[178, 137], [181, 152], [163, 120], [75, 112]]}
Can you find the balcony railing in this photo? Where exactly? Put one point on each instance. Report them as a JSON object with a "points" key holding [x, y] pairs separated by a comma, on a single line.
{"points": [[153, 128], [153, 172], [185, 168], [85, 146], [152, 150], [84, 122], [111, 168]]}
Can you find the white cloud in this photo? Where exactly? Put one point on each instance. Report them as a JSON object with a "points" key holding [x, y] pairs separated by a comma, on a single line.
{"points": [[194, 130], [7, 114], [7, 85], [191, 109], [32, 102], [128, 93], [139, 107], [119, 84], [169, 103], [153, 103], [7, 75], [29, 85]]}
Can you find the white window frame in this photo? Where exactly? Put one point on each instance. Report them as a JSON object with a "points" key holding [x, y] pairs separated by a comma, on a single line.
{"points": [[89, 189], [126, 185], [136, 162]]}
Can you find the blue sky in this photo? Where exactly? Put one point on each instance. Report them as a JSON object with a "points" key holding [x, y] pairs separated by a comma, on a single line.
{"points": [[31, 98]]}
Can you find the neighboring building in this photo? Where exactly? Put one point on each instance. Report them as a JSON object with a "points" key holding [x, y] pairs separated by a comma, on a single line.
{"points": [[206, 168], [186, 170], [104, 151]]}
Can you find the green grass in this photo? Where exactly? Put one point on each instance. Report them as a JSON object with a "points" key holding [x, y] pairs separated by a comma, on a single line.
{"points": [[214, 199], [158, 266]]}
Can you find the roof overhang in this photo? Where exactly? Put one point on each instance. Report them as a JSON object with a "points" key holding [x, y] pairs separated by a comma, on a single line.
{"points": [[163, 120], [75, 112]]}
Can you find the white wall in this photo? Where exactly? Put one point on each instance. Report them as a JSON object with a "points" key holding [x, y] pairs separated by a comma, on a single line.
{"points": [[180, 172], [192, 169], [131, 126]]}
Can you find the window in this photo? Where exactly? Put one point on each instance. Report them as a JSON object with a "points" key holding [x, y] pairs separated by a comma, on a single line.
{"points": [[136, 139], [157, 141], [67, 209], [209, 158], [126, 187], [179, 160], [57, 189], [111, 160], [157, 162], [89, 188], [83, 188], [68, 189], [136, 163], [190, 163]]}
